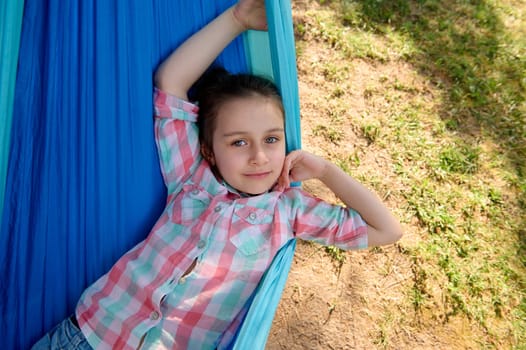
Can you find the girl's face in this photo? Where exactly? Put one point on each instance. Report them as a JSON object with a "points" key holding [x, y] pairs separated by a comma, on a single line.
{"points": [[249, 143]]}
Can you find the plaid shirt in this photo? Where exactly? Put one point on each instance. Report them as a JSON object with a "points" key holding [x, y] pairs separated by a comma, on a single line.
{"points": [[227, 240]]}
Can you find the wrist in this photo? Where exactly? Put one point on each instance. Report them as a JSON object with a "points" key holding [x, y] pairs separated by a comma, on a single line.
{"points": [[240, 24], [328, 168]]}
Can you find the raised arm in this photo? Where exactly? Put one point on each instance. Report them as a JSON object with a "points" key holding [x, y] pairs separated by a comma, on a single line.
{"points": [[190, 60], [383, 227]]}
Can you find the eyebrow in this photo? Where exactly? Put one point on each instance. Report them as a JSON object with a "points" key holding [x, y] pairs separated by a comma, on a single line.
{"points": [[269, 131]]}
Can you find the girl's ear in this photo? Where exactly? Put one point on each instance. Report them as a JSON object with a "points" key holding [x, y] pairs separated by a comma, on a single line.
{"points": [[208, 155]]}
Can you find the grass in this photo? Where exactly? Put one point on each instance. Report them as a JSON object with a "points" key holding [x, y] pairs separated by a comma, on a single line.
{"points": [[457, 141]]}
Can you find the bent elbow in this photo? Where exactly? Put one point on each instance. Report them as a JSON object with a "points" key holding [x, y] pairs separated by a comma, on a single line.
{"points": [[384, 237], [390, 237], [396, 233]]}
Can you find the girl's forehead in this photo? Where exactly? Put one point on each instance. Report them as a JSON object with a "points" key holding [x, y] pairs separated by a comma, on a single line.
{"points": [[252, 112], [251, 101]]}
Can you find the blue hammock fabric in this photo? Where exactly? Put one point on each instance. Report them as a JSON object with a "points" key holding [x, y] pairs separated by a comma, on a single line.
{"points": [[83, 180]]}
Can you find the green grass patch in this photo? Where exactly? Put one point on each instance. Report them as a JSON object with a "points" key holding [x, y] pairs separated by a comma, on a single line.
{"points": [[457, 140]]}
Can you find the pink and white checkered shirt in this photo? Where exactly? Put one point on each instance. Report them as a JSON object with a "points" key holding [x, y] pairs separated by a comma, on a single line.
{"points": [[227, 241]]}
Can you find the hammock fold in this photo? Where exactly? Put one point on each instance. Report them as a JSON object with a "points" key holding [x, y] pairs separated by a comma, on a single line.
{"points": [[83, 183], [10, 27]]}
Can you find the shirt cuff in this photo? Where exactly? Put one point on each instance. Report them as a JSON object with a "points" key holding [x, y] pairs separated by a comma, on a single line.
{"points": [[169, 106]]}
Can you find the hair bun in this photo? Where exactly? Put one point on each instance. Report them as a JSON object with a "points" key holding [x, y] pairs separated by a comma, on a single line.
{"points": [[207, 83]]}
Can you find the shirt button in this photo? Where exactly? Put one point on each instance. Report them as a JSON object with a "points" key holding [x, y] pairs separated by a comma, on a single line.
{"points": [[252, 216], [182, 280], [154, 315], [217, 209], [195, 192], [201, 244]]}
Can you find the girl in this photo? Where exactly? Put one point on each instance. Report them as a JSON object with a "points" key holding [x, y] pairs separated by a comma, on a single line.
{"points": [[229, 208]]}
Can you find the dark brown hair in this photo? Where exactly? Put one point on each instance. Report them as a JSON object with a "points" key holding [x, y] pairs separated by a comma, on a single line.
{"points": [[215, 88]]}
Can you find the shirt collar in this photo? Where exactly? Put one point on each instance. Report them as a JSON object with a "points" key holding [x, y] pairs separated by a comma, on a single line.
{"points": [[236, 192]]}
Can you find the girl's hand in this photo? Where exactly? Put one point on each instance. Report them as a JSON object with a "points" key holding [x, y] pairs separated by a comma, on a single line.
{"points": [[300, 166], [251, 14]]}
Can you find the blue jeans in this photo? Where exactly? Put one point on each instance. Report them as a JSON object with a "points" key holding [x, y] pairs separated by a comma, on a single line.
{"points": [[64, 336]]}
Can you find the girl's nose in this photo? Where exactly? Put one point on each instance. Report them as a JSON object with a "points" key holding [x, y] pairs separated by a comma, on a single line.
{"points": [[258, 156]]}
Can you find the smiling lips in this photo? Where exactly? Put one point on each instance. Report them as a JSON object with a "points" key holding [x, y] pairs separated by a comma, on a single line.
{"points": [[258, 175]]}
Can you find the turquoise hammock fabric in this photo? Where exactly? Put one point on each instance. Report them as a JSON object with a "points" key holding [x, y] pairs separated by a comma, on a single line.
{"points": [[83, 182], [10, 26]]}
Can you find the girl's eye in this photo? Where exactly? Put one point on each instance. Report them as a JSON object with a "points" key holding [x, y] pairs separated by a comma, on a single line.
{"points": [[239, 143], [271, 139]]}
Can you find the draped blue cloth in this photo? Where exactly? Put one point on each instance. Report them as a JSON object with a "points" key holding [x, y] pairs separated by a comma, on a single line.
{"points": [[83, 180], [10, 26]]}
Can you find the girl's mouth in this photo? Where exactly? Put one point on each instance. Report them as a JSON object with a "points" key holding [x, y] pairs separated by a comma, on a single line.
{"points": [[258, 175]]}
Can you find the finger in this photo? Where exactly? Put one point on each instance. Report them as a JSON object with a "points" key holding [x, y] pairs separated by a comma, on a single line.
{"points": [[288, 165], [295, 164], [284, 176]]}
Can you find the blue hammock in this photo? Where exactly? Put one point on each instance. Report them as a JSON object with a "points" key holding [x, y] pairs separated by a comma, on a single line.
{"points": [[79, 164]]}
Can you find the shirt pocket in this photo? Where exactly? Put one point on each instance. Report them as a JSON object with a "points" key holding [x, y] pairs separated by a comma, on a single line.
{"points": [[189, 204], [251, 227]]}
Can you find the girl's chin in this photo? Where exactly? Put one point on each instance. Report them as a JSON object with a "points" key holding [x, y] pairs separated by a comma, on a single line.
{"points": [[257, 190]]}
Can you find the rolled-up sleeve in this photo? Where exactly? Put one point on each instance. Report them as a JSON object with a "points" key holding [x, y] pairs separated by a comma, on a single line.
{"points": [[176, 135], [315, 220]]}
